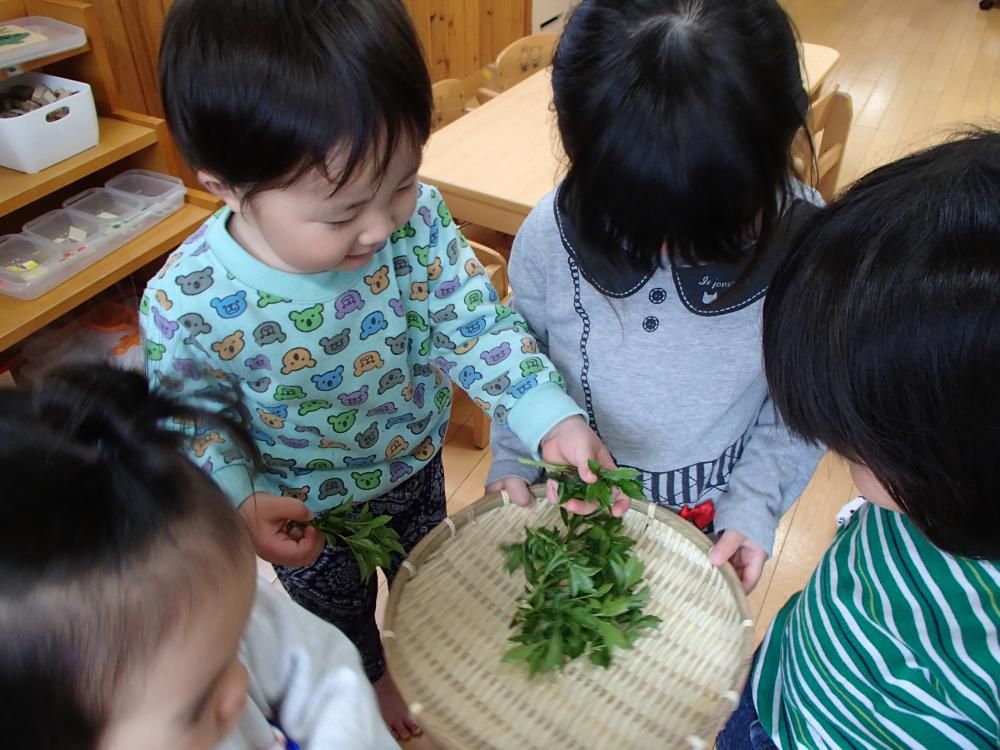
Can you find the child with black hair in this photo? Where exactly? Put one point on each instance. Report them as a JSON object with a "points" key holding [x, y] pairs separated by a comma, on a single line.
{"points": [[882, 340], [128, 612], [333, 293], [642, 275]]}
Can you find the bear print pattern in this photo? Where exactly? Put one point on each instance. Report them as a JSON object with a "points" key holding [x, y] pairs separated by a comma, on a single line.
{"points": [[348, 393]]}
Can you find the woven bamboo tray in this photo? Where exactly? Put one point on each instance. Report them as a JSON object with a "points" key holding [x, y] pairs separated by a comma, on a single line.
{"points": [[447, 623]]}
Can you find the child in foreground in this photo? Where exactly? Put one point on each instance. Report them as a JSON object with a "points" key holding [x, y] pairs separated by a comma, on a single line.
{"points": [[333, 294], [882, 340], [643, 273], [129, 617]]}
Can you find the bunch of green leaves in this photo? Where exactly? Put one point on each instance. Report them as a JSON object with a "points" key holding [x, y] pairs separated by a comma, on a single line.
{"points": [[571, 487], [364, 533], [584, 593]]}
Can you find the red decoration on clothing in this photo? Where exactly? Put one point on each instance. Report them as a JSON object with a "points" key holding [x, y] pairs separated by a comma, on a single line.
{"points": [[700, 515]]}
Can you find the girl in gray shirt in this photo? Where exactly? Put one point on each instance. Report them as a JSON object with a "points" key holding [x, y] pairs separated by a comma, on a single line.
{"points": [[643, 274]]}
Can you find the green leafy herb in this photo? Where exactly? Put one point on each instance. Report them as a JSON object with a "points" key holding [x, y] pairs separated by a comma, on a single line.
{"points": [[583, 592], [367, 536]]}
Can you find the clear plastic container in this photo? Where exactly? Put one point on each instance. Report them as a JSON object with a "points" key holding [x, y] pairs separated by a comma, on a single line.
{"points": [[117, 210], [75, 233], [34, 37], [30, 266], [159, 193], [106, 333]]}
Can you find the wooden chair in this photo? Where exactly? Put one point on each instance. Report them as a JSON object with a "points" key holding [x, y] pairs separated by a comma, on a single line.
{"points": [[517, 61], [495, 265], [449, 102], [829, 122], [496, 268]]}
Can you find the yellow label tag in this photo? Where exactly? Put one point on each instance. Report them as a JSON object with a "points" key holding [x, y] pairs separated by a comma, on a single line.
{"points": [[28, 265]]}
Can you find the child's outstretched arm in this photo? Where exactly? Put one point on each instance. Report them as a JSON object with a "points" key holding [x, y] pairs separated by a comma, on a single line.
{"points": [[773, 471], [178, 362], [489, 351], [507, 473], [306, 677]]}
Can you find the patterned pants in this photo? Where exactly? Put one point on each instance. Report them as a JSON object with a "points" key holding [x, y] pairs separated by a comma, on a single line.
{"points": [[331, 587]]}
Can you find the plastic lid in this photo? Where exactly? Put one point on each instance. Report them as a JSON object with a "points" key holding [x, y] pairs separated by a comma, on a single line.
{"points": [[98, 201], [25, 39], [145, 183]]}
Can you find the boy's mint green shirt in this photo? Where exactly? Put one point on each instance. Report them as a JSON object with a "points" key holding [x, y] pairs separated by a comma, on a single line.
{"points": [[345, 374]]}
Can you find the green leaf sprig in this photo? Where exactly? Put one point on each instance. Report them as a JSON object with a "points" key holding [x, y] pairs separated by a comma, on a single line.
{"points": [[365, 534], [583, 583]]}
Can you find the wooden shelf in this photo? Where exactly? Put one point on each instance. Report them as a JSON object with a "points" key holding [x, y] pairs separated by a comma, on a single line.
{"points": [[20, 318], [41, 62], [118, 140]]}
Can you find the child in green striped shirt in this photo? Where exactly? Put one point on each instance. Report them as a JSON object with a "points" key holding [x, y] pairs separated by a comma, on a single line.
{"points": [[882, 341]]}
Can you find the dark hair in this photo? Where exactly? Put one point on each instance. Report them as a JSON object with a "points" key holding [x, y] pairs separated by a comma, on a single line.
{"points": [[677, 117], [109, 538], [258, 92], [882, 336]]}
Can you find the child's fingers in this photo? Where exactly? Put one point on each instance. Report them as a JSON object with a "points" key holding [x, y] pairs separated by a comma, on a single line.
{"points": [[726, 547], [296, 554], [583, 469], [605, 459], [620, 506], [519, 493], [753, 565], [412, 727], [280, 549], [602, 456], [580, 507], [311, 545], [291, 509], [516, 489], [552, 491]]}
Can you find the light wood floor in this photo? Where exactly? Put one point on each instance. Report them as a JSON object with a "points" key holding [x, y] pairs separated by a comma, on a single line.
{"points": [[915, 69]]}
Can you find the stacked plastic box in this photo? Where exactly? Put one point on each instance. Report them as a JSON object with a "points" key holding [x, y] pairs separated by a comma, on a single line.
{"points": [[61, 243]]}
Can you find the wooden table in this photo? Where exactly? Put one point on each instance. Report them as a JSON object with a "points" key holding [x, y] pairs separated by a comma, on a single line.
{"points": [[495, 163]]}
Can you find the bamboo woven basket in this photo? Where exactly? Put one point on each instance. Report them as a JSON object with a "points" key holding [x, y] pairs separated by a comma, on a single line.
{"points": [[447, 623]]}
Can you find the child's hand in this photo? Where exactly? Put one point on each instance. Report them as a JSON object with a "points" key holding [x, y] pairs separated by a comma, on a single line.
{"points": [[747, 557], [573, 442], [516, 488], [275, 527]]}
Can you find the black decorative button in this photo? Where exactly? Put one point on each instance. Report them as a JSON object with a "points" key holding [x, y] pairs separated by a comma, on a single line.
{"points": [[658, 296], [650, 324]]}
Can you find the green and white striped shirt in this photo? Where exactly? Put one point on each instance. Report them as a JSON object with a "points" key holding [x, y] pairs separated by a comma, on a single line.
{"points": [[892, 644]]}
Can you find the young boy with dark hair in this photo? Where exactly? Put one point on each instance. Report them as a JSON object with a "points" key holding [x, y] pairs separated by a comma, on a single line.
{"points": [[333, 292], [882, 341]]}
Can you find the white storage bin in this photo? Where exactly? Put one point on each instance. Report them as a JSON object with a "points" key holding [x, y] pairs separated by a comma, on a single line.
{"points": [[30, 266], [75, 233], [119, 211], [160, 193], [31, 142], [44, 37]]}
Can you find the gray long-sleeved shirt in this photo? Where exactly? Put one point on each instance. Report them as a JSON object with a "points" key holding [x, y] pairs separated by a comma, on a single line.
{"points": [[669, 369]]}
